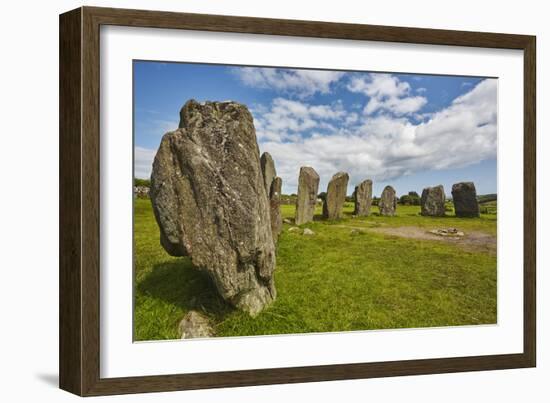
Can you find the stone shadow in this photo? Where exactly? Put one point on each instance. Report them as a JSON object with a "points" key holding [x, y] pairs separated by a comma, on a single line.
{"points": [[181, 284]]}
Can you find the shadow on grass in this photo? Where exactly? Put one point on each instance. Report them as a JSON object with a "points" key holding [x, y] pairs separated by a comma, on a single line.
{"points": [[180, 284], [320, 217]]}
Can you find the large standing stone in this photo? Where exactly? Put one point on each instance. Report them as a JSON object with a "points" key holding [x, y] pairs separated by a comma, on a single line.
{"points": [[465, 199], [268, 171], [388, 202], [363, 198], [275, 207], [209, 201], [432, 202], [308, 186], [336, 196]]}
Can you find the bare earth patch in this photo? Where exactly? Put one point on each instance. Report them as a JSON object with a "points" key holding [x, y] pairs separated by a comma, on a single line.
{"points": [[474, 241]]}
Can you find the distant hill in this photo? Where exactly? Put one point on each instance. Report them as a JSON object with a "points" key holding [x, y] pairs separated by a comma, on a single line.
{"points": [[487, 198]]}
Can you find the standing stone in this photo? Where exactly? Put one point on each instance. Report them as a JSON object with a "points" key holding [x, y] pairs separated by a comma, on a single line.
{"points": [[308, 186], [363, 198], [209, 201], [432, 202], [275, 207], [268, 171], [336, 196], [273, 185], [465, 199], [388, 202]]}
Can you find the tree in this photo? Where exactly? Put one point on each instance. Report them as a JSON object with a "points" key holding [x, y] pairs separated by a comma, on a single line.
{"points": [[414, 198], [142, 182], [405, 200]]}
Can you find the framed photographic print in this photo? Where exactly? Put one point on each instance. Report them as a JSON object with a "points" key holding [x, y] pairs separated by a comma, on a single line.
{"points": [[249, 201]]}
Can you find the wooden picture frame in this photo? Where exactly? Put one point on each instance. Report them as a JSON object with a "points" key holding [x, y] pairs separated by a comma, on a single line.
{"points": [[79, 280]]}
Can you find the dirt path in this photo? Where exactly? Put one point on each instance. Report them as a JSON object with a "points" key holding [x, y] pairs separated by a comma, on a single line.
{"points": [[474, 241]]}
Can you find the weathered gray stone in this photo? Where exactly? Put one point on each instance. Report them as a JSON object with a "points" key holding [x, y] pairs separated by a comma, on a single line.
{"points": [[465, 199], [268, 171], [363, 198], [195, 325], [275, 207], [388, 202], [336, 196], [273, 185], [307, 231], [432, 202], [308, 186], [209, 201]]}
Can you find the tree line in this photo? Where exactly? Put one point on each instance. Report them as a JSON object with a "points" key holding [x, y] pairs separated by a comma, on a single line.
{"points": [[410, 199]]}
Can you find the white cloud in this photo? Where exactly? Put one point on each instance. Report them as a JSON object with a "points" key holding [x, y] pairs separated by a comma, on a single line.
{"points": [[162, 126], [379, 85], [286, 119], [466, 130], [154, 127], [382, 146], [143, 157], [386, 93], [302, 83], [352, 118], [143, 162], [385, 146]]}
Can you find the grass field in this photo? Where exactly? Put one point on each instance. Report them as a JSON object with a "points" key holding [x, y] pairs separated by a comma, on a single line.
{"points": [[353, 274]]}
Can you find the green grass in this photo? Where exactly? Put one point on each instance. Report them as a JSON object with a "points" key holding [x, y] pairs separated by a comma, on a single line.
{"points": [[335, 280], [489, 207]]}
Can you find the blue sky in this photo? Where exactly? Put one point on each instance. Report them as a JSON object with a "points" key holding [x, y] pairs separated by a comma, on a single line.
{"points": [[406, 130]]}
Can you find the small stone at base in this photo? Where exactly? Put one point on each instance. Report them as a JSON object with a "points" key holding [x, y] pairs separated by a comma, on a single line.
{"points": [[195, 325]]}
